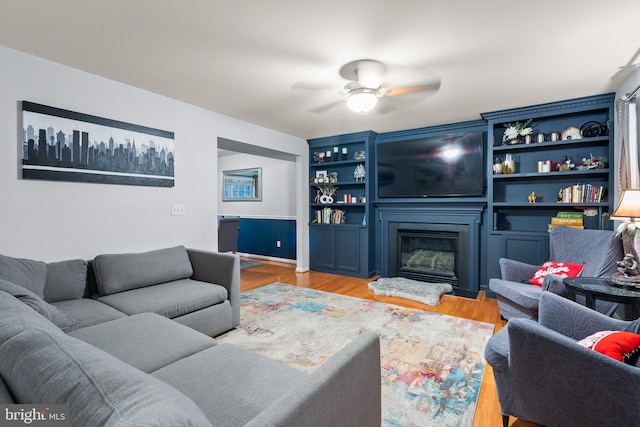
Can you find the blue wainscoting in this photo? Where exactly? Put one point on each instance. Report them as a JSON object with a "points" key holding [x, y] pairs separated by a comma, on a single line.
{"points": [[258, 236]]}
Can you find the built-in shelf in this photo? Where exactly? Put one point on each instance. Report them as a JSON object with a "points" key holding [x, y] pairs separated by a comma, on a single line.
{"points": [[552, 175], [343, 248], [518, 229]]}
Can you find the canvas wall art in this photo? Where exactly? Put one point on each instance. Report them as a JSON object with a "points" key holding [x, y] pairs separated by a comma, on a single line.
{"points": [[63, 145]]}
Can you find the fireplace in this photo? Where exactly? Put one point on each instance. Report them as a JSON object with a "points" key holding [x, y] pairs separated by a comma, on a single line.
{"points": [[430, 252], [453, 228]]}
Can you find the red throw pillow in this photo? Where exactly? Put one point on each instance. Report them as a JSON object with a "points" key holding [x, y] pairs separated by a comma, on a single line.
{"points": [[562, 269], [622, 346]]}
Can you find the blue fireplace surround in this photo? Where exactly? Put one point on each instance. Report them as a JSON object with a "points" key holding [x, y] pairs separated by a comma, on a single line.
{"points": [[464, 215]]}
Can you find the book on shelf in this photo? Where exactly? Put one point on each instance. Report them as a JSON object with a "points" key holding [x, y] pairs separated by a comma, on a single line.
{"points": [[581, 193], [330, 216], [569, 214], [348, 198], [572, 226], [567, 221]]}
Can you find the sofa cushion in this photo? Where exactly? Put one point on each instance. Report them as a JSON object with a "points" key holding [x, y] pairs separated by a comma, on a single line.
{"points": [[15, 316], [620, 345], [27, 273], [87, 312], [523, 294], [562, 269], [60, 319], [170, 299], [249, 380], [65, 280], [122, 272], [42, 366], [211, 321], [164, 341]]}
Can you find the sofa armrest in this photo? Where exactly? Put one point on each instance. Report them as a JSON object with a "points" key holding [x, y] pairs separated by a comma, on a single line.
{"points": [[572, 319], [222, 269], [554, 381], [516, 271], [345, 390]]}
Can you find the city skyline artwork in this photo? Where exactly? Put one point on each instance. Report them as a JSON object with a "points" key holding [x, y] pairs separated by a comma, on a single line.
{"points": [[63, 145]]}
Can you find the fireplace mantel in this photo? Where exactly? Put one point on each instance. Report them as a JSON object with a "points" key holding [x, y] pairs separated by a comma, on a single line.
{"points": [[467, 214]]}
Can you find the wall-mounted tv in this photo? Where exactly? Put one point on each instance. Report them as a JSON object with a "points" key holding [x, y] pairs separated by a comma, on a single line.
{"points": [[438, 166]]}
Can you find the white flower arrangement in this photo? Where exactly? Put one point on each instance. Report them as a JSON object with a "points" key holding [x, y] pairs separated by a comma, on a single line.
{"points": [[516, 130]]}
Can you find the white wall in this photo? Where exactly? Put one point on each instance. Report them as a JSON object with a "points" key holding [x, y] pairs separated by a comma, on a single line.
{"points": [[60, 220], [278, 179]]}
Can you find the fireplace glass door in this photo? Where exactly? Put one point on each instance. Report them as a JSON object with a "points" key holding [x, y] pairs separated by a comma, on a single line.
{"points": [[428, 256]]}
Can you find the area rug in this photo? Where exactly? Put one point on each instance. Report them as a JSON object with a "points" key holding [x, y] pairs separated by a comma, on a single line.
{"points": [[432, 364], [426, 293], [244, 264]]}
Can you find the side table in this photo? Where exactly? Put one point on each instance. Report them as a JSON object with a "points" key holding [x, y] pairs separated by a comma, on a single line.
{"points": [[594, 288]]}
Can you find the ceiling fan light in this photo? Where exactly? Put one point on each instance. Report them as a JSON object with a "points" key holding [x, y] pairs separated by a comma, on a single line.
{"points": [[362, 100]]}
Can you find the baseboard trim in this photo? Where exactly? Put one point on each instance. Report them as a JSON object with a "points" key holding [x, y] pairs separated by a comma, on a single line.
{"points": [[268, 258]]}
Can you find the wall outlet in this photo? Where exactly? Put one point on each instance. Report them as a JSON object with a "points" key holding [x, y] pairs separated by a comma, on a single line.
{"points": [[278, 243], [178, 210]]}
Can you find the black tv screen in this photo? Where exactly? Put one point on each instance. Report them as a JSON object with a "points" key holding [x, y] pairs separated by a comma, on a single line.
{"points": [[439, 166]]}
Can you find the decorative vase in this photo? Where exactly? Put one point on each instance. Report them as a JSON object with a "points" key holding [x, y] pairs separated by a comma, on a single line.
{"points": [[509, 164], [514, 141], [325, 199]]}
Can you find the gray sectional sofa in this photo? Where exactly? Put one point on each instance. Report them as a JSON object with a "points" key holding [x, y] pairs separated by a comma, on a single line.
{"points": [[126, 339]]}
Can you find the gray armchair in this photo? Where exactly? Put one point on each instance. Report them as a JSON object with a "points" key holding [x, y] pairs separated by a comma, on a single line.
{"points": [[598, 250], [543, 375]]}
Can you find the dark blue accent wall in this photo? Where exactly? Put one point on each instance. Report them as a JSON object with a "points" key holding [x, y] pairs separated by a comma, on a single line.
{"points": [[258, 236]]}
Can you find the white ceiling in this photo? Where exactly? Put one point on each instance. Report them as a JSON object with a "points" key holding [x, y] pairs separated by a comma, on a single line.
{"points": [[249, 58]]}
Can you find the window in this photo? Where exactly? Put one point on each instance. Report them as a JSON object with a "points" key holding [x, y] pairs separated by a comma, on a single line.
{"points": [[242, 184]]}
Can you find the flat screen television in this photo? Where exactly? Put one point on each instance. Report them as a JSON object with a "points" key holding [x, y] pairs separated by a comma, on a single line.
{"points": [[439, 166]]}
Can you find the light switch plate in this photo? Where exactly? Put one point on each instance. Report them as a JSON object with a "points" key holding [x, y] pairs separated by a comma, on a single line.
{"points": [[178, 210]]}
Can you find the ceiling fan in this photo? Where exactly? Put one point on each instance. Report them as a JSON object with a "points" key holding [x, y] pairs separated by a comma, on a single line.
{"points": [[365, 85]]}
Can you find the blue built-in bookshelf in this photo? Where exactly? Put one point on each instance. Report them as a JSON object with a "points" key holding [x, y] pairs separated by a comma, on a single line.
{"points": [[341, 238], [508, 224], [571, 130]]}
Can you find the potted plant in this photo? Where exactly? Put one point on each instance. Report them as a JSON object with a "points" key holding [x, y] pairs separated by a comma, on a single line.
{"points": [[514, 131]]}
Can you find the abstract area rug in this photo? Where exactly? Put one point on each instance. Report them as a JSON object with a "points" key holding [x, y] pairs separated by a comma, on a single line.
{"points": [[432, 364], [244, 264], [426, 293]]}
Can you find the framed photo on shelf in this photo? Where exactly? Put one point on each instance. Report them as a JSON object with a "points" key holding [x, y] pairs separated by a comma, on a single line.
{"points": [[321, 177]]}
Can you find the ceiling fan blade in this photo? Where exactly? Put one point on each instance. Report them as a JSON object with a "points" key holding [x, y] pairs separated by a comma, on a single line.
{"points": [[326, 107], [404, 90], [312, 86], [367, 72], [370, 73]]}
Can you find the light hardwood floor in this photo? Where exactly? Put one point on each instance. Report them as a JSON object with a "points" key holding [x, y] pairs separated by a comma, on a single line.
{"points": [[482, 309]]}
